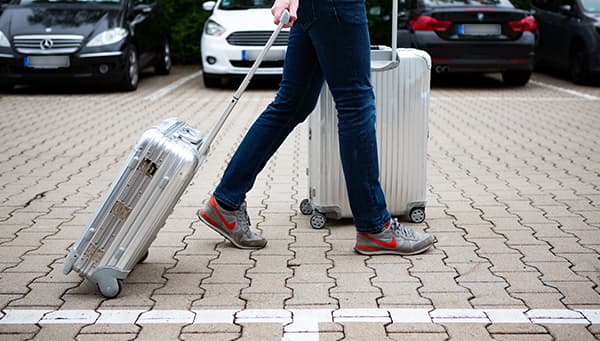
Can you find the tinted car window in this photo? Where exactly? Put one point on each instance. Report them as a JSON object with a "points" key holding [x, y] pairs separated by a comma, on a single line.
{"points": [[591, 5], [467, 3], [245, 4]]}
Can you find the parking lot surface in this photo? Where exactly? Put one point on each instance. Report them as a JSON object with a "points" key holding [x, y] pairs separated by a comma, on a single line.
{"points": [[513, 200]]}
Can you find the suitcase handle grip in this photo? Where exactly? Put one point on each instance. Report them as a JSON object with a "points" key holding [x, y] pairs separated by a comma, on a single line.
{"points": [[283, 20]]}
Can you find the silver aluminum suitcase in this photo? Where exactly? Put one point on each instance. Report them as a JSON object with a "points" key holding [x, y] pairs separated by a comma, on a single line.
{"points": [[401, 82], [136, 206], [162, 164]]}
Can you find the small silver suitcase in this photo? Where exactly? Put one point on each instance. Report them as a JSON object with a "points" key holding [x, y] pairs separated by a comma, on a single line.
{"points": [[136, 206], [401, 82], [159, 169]]}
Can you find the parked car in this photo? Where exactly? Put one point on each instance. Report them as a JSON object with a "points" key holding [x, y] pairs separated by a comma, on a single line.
{"points": [[234, 35], [471, 36], [570, 37], [100, 41]]}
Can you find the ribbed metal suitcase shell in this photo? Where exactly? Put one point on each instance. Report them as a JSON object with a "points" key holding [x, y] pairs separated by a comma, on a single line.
{"points": [[154, 177], [402, 105]]}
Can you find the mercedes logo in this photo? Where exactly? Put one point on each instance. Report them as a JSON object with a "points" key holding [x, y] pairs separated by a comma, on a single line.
{"points": [[480, 16], [46, 44]]}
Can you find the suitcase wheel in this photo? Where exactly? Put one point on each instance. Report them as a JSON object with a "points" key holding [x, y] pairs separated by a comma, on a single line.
{"points": [[143, 258], [112, 288], [417, 215], [306, 207], [318, 220]]}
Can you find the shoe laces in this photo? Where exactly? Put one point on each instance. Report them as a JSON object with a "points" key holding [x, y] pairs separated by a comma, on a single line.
{"points": [[244, 218], [401, 230]]}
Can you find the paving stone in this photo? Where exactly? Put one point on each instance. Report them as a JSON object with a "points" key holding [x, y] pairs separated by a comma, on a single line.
{"points": [[180, 284], [401, 294], [467, 331], [159, 331], [132, 295], [268, 283], [58, 332], [46, 295], [220, 296], [364, 331], [569, 332]]}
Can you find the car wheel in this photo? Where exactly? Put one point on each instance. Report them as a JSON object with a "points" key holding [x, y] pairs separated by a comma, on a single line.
{"points": [[163, 66], [131, 77], [211, 80], [516, 78], [578, 66]]}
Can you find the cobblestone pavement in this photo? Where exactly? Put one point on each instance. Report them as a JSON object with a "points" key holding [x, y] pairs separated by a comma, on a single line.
{"points": [[513, 199]]}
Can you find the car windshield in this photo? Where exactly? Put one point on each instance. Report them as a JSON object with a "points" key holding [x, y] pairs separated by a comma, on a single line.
{"points": [[29, 2], [591, 5], [245, 4], [469, 3]]}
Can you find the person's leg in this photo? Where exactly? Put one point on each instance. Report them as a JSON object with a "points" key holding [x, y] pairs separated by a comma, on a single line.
{"points": [[341, 39], [298, 93]]}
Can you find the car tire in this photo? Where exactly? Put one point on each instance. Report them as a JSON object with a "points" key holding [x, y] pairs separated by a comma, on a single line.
{"points": [[164, 64], [578, 66], [131, 76], [211, 80], [516, 77]]}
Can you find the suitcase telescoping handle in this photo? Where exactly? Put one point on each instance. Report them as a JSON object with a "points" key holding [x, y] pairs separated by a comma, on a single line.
{"points": [[285, 18], [394, 29]]}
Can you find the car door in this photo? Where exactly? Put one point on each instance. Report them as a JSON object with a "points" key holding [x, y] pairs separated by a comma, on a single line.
{"points": [[555, 33], [146, 30]]}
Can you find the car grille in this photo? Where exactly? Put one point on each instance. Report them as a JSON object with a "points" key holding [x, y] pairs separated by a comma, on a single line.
{"points": [[47, 44], [257, 38]]}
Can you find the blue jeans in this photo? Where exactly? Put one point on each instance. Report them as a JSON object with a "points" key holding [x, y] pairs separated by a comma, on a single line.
{"points": [[329, 42]]}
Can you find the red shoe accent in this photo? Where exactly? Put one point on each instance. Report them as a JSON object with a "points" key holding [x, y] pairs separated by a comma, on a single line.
{"points": [[366, 248], [207, 218], [213, 203]]}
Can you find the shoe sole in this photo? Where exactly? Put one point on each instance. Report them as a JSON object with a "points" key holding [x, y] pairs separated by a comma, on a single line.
{"points": [[393, 252], [231, 240]]}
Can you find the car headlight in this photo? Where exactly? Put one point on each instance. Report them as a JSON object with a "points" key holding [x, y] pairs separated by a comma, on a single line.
{"points": [[3, 40], [213, 29], [108, 37]]}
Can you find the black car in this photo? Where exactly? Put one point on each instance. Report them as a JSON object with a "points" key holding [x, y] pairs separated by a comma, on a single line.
{"points": [[471, 36], [570, 37], [100, 41]]}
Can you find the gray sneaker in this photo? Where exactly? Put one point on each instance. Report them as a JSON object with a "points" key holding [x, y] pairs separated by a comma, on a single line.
{"points": [[395, 239], [233, 225]]}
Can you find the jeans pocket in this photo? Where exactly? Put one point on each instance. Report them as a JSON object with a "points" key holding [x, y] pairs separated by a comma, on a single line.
{"points": [[349, 11]]}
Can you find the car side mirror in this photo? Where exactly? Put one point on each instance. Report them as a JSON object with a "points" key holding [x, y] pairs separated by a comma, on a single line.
{"points": [[209, 5], [566, 9]]}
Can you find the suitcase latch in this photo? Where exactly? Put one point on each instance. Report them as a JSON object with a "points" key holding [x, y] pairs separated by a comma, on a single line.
{"points": [[148, 167]]}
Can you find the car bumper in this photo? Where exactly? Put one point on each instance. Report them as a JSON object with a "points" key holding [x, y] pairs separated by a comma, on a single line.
{"points": [[478, 56], [226, 59], [99, 67]]}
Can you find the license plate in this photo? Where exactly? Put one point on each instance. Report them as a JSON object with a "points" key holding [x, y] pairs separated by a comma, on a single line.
{"points": [[46, 62], [251, 55], [479, 29]]}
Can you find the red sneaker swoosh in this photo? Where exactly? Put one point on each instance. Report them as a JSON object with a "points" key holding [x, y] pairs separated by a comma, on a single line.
{"points": [[229, 225], [388, 245]]}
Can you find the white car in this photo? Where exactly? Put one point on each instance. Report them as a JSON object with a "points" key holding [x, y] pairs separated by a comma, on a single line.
{"points": [[233, 37]]}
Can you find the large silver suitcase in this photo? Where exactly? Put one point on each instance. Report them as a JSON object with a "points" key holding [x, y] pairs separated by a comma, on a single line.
{"points": [[401, 82], [162, 164], [144, 193]]}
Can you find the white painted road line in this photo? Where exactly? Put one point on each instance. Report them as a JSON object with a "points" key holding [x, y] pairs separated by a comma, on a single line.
{"points": [[165, 90], [302, 320], [565, 90]]}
